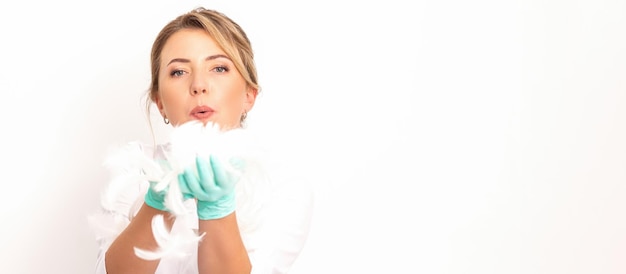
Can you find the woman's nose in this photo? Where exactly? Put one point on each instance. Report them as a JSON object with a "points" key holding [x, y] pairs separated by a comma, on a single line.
{"points": [[196, 91], [199, 85]]}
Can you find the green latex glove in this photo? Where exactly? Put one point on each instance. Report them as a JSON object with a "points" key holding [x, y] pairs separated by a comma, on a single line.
{"points": [[156, 198], [213, 186]]}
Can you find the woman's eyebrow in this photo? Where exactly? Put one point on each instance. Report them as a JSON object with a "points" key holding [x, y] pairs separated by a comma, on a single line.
{"points": [[209, 58], [213, 57]]}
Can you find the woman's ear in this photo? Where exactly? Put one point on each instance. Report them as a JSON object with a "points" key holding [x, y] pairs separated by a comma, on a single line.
{"points": [[157, 101], [250, 98]]}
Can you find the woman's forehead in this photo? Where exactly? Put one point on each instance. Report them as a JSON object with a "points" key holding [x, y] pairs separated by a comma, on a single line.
{"points": [[190, 43]]}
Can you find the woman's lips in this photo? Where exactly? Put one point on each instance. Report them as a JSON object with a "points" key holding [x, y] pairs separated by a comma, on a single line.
{"points": [[201, 112]]}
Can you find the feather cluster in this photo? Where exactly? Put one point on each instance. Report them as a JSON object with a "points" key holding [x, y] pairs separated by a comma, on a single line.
{"points": [[132, 168]]}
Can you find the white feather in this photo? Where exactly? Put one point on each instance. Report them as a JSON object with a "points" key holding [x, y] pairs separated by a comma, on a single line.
{"points": [[106, 227], [168, 244], [187, 142], [115, 188], [185, 139], [253, 188], [174, 200]]}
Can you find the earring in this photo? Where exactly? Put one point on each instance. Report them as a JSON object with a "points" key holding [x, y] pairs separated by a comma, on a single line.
{"points": [[243, 116], [166, 121]]}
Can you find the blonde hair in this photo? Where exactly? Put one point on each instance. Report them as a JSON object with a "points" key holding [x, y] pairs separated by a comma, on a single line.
{"points": [[226, 33]]}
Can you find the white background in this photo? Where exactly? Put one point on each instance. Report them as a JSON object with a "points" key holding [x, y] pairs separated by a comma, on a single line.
{"points": [[442, 136]]}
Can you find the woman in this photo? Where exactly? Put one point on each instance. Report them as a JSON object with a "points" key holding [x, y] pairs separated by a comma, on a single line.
{"points": [[203, 72]]}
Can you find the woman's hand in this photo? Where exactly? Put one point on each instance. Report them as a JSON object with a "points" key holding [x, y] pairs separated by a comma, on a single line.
{"points": [[213, 186]]}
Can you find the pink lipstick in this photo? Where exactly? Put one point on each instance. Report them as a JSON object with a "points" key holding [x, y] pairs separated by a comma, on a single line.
{"points": [[201, 112]]}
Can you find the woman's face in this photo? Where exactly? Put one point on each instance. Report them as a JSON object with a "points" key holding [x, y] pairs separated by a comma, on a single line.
{"points": [[197, 81]]}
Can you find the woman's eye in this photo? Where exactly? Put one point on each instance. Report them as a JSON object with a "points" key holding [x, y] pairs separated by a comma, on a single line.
{"points": [[221, 69], [177, 73]]}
